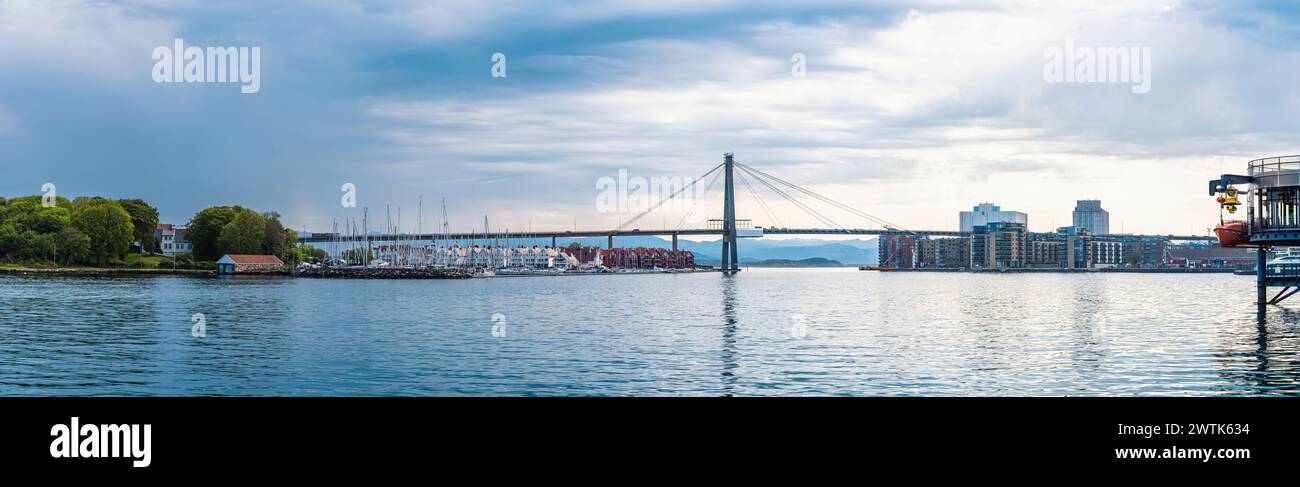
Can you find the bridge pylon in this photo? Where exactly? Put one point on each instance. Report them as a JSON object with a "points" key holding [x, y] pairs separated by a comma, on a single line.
{"points": [[730, 259]]}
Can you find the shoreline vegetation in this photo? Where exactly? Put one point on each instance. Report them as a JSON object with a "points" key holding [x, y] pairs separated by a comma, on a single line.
{"points": [[94, 235], [81, 271]]}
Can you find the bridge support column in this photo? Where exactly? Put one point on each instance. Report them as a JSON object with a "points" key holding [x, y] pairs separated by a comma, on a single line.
{"points": [[553, 242], [729, 257], [611, 242], [674, 242]]}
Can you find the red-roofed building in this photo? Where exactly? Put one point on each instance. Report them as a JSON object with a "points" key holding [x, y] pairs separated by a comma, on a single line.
{"points": [[236, 263]]}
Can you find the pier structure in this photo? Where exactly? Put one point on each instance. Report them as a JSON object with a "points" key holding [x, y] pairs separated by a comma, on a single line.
{"points": [[1272, 220]]}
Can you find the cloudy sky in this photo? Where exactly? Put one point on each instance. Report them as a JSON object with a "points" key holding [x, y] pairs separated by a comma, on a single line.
{"points": [[911, 111]]}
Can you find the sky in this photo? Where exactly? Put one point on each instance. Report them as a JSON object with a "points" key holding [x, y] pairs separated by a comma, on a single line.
{"points": [[907, 111]]}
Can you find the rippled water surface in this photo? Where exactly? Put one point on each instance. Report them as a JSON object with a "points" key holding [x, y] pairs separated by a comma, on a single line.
{"points": [[762, 332]]}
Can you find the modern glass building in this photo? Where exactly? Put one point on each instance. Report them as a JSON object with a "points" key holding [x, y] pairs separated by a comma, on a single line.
{"points": [[1089, 215]]}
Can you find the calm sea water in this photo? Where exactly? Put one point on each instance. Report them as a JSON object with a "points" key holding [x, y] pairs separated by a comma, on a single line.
{"points": [[762, 332]]}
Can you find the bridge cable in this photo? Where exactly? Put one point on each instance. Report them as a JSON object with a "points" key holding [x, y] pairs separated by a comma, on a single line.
{"points": [[665, 200], [814, 213], [888, 225], [762, 204], [695, 205], [830, 201], [807, 209]]}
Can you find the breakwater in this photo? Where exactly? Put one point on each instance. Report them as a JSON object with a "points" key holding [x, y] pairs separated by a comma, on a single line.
{"points": [[384, 273]]}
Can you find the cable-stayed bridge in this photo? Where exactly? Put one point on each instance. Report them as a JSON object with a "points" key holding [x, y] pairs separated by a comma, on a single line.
{"points": [[729, 227]]}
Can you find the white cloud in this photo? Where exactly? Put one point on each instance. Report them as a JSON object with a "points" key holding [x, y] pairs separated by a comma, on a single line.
{"points": [[952, 100], [911, 116]]}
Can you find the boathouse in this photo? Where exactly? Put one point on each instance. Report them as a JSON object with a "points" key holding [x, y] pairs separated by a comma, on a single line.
{"points": [[240, 263]]}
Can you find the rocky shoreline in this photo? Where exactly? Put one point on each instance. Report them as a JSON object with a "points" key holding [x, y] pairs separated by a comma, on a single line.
{"points": [[382, 273]]}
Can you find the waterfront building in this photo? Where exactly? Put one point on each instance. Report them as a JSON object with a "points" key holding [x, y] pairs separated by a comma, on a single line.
{"points": [[998, 245], [239, 263], [1211, 257], [1106, 253], [1088, 214], [1146, 251], [1046, 250], [646, 258], [584, 257], [986, 213], [897, 250], [943, 252], [171, 239]]}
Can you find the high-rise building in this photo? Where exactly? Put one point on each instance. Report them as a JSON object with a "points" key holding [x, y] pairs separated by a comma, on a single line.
{"points": [[999, 245], [986, 213], [1088, 214]]}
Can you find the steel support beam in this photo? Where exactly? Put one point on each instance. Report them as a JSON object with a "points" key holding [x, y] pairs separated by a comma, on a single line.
{"points": [[1286, 292], [1261, 286]]}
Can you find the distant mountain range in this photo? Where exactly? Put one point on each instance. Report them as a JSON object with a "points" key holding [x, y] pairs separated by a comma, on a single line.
{"points": [[846, 252], [813, 262]]}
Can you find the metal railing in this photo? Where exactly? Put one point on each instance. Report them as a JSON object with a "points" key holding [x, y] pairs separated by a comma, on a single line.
{"points": [[1269, 165]]}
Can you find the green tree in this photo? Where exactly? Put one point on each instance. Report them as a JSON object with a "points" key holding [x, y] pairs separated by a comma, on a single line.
{"points": [[205, 229], [144, 220], [42, 246], [275, 238], [48, 220], [314, 254], [245, 234], [72, 246], [11, 242], [25, 248], [1133, 258], [108, 226]]}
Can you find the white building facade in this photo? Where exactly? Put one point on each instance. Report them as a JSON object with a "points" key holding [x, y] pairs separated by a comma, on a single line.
{"points": [[986, 213], [171, 239]]}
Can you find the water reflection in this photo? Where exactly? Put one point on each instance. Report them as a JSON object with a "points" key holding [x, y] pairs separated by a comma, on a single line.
{"points": [[1270, 353], [867, 334], [728, 334]]}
